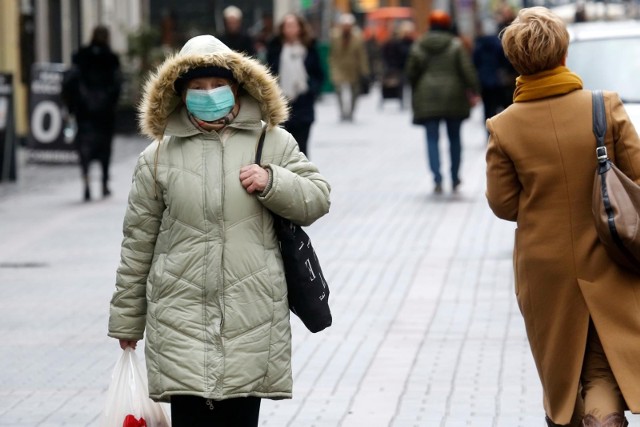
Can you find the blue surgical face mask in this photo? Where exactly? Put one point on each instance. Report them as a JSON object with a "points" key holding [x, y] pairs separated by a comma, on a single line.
{"points": [[210, 105]]}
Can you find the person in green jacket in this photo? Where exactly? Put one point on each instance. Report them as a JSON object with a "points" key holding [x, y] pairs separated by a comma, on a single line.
{"points": [[201, 274], [442, 79]]}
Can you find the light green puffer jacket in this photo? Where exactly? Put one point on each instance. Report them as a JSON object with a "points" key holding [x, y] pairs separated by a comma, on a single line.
{"points": [[200, 270]]}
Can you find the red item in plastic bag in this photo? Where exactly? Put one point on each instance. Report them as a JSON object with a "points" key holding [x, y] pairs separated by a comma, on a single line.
{"points": [[128, 397], [132, 421]]}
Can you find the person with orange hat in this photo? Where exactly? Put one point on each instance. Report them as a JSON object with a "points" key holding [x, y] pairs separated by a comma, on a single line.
{"points": [[441, 75]]}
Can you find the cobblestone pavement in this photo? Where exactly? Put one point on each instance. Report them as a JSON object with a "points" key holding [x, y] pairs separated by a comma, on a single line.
{"points": [[426, 331]]}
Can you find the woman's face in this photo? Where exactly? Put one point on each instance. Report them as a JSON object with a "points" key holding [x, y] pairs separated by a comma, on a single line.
{"points": [[290, 28]]}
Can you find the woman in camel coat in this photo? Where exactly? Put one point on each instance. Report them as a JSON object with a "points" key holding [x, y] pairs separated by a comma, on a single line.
{"points": [[581, 310]]}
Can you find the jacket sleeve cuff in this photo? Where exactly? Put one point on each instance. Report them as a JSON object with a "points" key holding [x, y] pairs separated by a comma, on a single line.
{"points": [[269, 183]]}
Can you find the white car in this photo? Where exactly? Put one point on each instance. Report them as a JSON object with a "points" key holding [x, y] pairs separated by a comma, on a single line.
{"points": [[606, 55]]}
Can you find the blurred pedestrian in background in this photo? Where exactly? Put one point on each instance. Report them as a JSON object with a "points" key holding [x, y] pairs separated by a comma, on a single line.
{"points": [[201, 271], [294, 58], [443, 80], [394, 60], [504, 17], [581, 13], [234, 35], [348, 64], [91, 91], [494, 70], [580, 308], [263, 36]]}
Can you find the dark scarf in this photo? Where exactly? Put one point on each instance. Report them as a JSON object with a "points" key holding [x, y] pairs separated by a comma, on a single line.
{"points": [[219, 124]]}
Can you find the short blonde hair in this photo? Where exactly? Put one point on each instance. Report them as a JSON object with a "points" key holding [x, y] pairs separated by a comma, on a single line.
{"points": [[537, 40]]}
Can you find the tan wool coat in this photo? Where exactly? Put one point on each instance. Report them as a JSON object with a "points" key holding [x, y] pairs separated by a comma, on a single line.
{"points": [[347, 62], [540, 169]]}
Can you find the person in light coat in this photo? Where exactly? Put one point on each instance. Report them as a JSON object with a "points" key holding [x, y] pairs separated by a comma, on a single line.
{"points": [[201, 275], [581, 309], [348, 64]]}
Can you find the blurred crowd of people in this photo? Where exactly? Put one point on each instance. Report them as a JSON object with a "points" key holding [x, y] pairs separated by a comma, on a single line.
{"points": [[445, 73]]}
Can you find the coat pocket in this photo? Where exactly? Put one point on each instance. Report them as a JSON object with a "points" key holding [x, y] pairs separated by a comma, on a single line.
{"points": [[154, 279]]}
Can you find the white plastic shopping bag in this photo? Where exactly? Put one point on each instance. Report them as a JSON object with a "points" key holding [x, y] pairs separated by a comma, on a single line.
{"points": [[128, 403]]}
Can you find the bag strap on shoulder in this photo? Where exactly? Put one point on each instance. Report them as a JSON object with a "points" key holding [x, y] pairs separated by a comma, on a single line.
{"points": [[260, 144], [599, 124]]}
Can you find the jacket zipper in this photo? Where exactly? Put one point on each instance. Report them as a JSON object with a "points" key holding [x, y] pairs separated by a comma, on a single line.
{"points": [[222, 237], [205, 197]]}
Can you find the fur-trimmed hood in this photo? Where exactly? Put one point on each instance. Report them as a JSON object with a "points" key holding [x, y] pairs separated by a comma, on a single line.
{"points": [[160, 98]]}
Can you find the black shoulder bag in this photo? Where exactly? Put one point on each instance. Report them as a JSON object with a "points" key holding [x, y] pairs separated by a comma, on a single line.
{"points": [[308, 291]]}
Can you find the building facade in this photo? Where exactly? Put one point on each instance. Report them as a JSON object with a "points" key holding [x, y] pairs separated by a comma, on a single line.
{"points": [[49, 31]]}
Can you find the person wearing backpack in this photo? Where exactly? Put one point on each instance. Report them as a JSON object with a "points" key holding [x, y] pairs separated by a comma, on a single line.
{"points": [[91, 91]]}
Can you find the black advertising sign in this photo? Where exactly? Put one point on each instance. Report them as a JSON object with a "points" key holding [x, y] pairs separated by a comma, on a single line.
{"points": [[47, 115], [7, 134]]}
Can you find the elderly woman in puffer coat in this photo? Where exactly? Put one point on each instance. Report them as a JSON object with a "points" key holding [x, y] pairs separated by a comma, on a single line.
{"points": [[200, 266]]}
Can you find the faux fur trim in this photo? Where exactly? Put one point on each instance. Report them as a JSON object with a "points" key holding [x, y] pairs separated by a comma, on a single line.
{"points": [[160, 99]]}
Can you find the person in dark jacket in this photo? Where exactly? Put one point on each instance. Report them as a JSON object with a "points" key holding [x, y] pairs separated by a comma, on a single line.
{"points": [[233, 35], [91, 92], [294, 58], [394, 59], [442, 79], [495, 72]]}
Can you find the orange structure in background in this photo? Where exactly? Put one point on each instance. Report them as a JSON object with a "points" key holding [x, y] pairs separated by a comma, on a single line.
{"points": [[419, 10], [380, 23]]}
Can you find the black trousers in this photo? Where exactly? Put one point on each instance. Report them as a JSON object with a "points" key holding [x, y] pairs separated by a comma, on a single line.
{"points": [[492, 101], [94, 145], [195, 411], [300, 131]]}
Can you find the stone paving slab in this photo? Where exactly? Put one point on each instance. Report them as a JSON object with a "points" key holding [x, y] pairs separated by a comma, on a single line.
{"points": [[426, 330]]}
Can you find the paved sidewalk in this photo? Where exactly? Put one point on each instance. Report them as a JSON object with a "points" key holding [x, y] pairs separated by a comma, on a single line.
{"points": [[426, 331]]}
